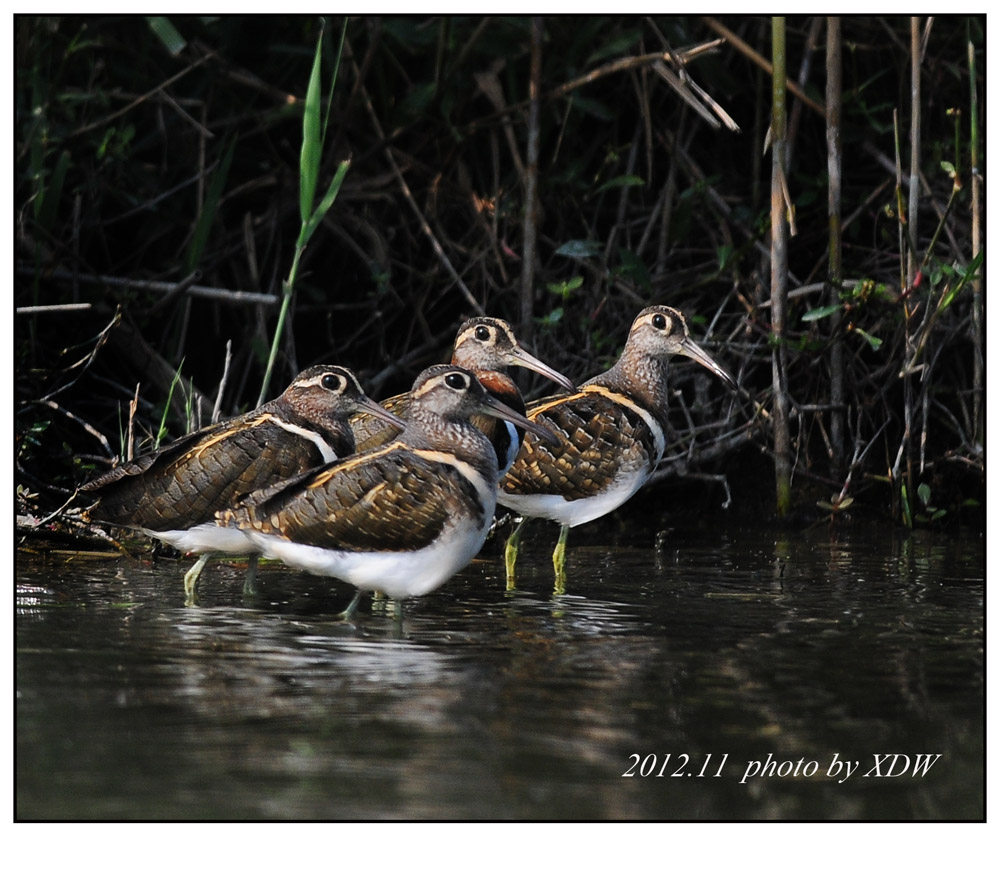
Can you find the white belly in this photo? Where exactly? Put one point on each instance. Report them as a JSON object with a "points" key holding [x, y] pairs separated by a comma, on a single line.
{"points": [[397, 574], [578, 511]]}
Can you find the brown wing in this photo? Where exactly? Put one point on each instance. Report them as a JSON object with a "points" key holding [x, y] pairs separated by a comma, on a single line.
{"points": [[371, 432], [599, 439], [186, 482], [395, 500]]}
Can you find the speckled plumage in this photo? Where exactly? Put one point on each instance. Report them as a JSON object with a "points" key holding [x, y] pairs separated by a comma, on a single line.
{"points": [[605, 437], [487, 347], [174, 493], [611, 433], [401, 518]]}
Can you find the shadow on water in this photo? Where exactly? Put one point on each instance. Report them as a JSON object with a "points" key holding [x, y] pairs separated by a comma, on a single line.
{"points": [[649, 691]]}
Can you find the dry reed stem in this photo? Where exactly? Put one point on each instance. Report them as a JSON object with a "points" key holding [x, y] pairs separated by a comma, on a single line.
{"points": [[834, 94], [779, 276], [527, 296]]}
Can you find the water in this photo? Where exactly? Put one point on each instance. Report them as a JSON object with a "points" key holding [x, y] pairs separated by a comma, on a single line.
{"points": [[721, 649]]}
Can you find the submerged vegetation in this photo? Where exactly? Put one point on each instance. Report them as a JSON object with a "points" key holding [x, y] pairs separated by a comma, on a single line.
{"points": [[202, 200]]}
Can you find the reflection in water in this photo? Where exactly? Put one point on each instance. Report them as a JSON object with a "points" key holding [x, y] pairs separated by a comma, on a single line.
{"points": [[742, 647]]}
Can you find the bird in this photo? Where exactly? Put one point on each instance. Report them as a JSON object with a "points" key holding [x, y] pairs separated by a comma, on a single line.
{"points": [[399, 519], [611, 434], [487, 347], [174, 493]]}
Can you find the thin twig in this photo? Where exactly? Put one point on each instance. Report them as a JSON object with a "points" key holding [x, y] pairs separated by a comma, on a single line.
{"points": [[217, 410], [102, 337], [130, 440], [234, 297], [48, 403], [49, 309], [835, 244], [408, 195], [762, 62], [621, 64], [107, 119]]}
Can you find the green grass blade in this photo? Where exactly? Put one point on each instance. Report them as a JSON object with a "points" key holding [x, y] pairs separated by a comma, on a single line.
{"points": [[170, 37], [331, 194], [971, 271], [333, 78], [166, 406], [312, 139]]}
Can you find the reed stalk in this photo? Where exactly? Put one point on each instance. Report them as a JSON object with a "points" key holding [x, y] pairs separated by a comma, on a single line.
{"points": [[977, 241], [779, 271], [526, 325], [834, 95]]}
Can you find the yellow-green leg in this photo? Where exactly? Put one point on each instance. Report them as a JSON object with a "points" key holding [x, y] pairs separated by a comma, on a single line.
{"points": [[250, 583], [191, 579], [510, 554], [349, 611], [559, 560]]}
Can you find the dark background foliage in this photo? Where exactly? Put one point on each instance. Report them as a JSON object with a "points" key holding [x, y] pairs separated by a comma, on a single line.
{"points": [[140, 171]]}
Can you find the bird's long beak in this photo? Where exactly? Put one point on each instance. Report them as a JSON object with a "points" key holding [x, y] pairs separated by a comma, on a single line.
{"points": [[520, 357], [690, 349], [370, 406], [498, 409]]}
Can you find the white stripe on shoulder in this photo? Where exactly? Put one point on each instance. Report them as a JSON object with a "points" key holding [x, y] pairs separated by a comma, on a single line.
{"points": [[322, 445], [485, 488]]}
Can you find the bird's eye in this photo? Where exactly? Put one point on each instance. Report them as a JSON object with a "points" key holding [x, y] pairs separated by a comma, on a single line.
{"points": [[334, 383], [457, 381], [659, 321], [482, 333]]}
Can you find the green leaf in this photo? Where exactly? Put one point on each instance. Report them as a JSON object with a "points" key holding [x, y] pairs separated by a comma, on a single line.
{"points": [[971, 271], [949, 168], [314, 221], [564, 289], [621, 181], [166, 406], [550, 319], [333, 78], [312, 140], [820, 313], [924, 494], [579, 249], [168, 34], [102, 149], [875, 342]]}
